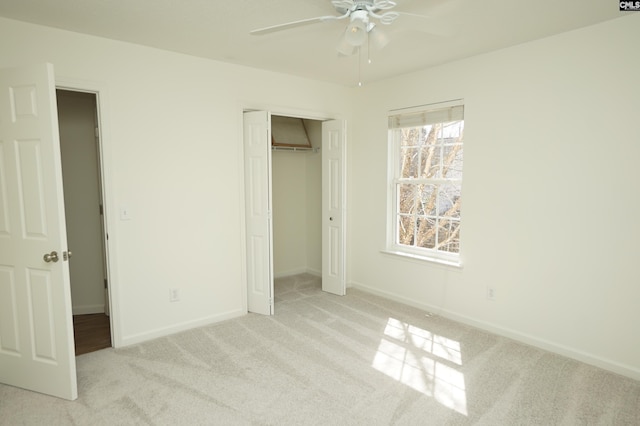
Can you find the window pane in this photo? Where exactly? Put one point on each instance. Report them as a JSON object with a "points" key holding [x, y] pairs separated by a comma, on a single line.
{"points": [[409, 162], [449, 235], [427, 201], [449, 200], [406, 198], [406, 228], [452, 161], [451, 130], [430, 160], [410, 136], [426, 232]]}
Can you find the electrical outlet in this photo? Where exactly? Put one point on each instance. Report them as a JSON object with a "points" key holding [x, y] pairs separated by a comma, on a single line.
{"points": [[174, 295], [491, 293]]}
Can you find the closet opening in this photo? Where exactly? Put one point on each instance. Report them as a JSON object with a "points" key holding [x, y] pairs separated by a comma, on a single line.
{"points": [[295, 206], [297, 196]]}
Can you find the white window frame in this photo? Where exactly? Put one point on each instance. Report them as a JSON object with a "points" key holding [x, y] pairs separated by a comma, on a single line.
{"points": [[394, 156]]}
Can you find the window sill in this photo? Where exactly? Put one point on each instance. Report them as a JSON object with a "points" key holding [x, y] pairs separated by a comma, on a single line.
{"points": [[419, 258]]}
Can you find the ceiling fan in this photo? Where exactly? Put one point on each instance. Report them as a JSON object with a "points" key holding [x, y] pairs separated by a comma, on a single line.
{"points": [[363, 15]]}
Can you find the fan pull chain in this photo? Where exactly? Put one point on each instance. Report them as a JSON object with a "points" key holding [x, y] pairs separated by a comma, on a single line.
{"points": [[359, 67]]}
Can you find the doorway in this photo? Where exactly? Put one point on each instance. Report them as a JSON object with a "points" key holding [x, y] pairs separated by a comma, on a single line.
{"points": [[297, 203], [296, 173], [82, 181], [259, 237]]}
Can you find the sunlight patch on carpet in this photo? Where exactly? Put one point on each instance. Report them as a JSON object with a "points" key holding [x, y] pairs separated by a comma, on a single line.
{"points": [[423, 361]]}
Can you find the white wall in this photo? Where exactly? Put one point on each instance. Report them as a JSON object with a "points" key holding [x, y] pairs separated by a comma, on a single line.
{"points": [[550, 194], [173, 150], [289, 212]]}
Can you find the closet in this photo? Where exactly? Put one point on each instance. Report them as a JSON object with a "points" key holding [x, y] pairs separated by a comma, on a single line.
{"points": [[296, 169]]}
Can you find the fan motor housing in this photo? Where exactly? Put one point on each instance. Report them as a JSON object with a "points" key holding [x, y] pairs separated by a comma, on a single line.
{"points": [[359, 5]]}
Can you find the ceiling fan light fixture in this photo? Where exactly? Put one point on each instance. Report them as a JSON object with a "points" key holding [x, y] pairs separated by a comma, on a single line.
{"points": [[378, 39], [344, 47], [356, 32]]}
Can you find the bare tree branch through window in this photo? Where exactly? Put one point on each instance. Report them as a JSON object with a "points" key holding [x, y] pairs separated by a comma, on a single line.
{"points": [[428, 183]]}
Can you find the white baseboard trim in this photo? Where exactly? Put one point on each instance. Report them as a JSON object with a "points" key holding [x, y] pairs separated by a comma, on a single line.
{"points": [[298, 271], [87, 309], [176, 328], [314, 272], [587, 358]]}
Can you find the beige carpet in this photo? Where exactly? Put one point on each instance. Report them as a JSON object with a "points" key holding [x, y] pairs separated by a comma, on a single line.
{"points": [[329, 360]]}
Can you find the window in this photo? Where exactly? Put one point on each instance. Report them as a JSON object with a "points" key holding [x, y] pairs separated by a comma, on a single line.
{"points": [[426, 181]]}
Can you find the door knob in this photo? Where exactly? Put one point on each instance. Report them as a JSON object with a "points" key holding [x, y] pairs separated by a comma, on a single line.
{"points": [[51, 257], [66, 255]]}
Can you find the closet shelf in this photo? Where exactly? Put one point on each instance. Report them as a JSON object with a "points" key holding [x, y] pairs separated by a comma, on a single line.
{"points": [[294, 148]]}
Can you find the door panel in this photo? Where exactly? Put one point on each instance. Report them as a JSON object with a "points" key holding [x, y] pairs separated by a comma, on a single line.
{"points": [[30, 189], [36, 330], [333, 207], [259, 245], [4, 213], [9, 343], [41, 312]]}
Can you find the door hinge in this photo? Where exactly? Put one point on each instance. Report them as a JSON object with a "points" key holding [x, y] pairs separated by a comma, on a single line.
{"points": [[97, 132], [101, 209], [105, 283]]}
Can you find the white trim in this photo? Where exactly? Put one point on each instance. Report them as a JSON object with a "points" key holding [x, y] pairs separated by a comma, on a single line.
{"points": [[421, 258], [289, 112], [394, 180], [87, 309], [243, 218], [427, 107], [560, 349], [246, 106], [298, 271], [183, 326], [315, 272]]}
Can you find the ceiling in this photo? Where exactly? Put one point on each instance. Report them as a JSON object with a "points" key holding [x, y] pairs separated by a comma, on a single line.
{"points": [[219, 30]]}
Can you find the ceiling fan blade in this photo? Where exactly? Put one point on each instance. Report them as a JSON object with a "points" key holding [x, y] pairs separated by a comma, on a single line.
{"points": [[294, 24], [342, 4]]}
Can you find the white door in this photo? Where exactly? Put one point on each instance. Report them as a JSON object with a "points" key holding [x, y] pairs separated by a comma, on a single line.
{"points": [[333, 207], [36, 329], [257, 178]]}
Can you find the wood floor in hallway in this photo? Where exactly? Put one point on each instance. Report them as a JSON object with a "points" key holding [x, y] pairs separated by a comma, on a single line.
{"points": [[92, 332]]}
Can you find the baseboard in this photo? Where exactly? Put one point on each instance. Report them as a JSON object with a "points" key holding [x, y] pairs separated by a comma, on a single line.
{"points": [[87, 309], [314, 272], [176, 328], [297, 271], [606, 364]]}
